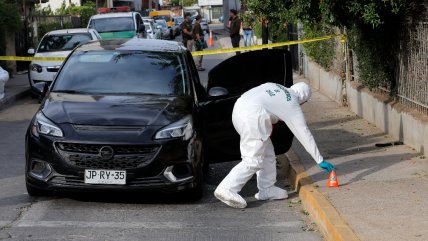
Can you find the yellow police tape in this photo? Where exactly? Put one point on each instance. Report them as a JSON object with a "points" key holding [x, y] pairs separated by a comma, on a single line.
{"points": [[16, 58], [199, 53], [263, 46]]}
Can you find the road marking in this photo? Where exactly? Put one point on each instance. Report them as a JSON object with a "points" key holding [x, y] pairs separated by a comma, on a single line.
{"points": [[147, 225]]}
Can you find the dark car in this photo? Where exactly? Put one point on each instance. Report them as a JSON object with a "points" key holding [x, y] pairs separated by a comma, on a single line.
{"points": [[133, 115]]}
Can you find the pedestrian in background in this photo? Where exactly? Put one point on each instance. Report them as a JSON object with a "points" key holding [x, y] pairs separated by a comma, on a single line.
{"points": [[265, 31], [235, 26], [198, 36], [248, 26], [186, 28]]}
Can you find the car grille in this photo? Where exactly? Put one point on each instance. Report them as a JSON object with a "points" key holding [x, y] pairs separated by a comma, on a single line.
{"points": [[52, 69], [124, 156], [138, 182]]}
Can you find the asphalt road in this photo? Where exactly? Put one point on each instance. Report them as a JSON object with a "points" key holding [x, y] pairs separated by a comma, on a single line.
{"points": [[142, 216]]}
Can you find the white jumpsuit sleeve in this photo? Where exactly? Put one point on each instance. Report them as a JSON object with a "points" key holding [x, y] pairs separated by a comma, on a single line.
{"points": [[297, 124]]}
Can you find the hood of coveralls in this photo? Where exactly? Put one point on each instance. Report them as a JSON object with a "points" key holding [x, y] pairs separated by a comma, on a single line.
{"points": [[302, 91]]}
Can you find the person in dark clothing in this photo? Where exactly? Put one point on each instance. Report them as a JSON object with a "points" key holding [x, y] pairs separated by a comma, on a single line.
{"points": [[235, 26], [198, 36], [186, 28], [265, 31]]}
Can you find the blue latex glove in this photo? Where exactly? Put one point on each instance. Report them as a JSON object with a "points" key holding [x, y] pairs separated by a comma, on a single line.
{"points": [[327, 166]]}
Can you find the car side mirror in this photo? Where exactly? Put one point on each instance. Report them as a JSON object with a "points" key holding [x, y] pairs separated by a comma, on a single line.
{"points": [[40, 89], [31, 51], [218, 92]]}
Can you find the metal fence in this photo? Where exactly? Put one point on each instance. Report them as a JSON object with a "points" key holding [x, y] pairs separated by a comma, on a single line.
{"points": [[413, 67]]}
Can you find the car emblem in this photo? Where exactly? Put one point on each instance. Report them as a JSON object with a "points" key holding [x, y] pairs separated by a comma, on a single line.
{"points": [[106, 152]]}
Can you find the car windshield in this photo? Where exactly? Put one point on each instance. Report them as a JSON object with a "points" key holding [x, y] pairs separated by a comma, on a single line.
{"points": [[121, 24], [62, 42], [162, 23], [123, 72], [164, 17]]}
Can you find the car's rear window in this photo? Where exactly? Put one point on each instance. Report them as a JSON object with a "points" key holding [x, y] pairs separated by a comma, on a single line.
{"points": [[63, 42], [123, 72], [117, 24]]}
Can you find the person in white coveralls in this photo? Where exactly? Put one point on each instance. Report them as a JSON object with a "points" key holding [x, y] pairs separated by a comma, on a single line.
{"points": [[4, 77], [253, 115]]}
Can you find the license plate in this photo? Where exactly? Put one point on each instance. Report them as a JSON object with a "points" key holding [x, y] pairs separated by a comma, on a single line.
{"points": [[105, 177]]}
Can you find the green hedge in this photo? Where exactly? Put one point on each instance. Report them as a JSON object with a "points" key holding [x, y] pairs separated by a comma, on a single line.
{"points": [[322, 52], [10, 23]]}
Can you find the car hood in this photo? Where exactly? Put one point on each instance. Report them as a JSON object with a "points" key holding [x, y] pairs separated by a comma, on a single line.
{"points": [[119, 110], [61, 54]]}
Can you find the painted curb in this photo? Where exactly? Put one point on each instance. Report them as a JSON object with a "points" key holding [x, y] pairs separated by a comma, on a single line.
{"points": [[4, 103], [328, 219]]}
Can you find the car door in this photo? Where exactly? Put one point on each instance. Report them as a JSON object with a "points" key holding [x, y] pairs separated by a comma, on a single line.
{"points": [[237, 75]]}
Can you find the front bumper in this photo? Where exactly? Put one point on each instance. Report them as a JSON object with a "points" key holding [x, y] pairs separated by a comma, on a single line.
{"points": [[166, 166]]}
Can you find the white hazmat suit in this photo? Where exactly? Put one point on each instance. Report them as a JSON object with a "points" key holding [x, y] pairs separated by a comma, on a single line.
{"points": [[253, 115], [4, 77]]}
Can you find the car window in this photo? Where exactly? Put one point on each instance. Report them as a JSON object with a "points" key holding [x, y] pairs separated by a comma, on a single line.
{"points": [[103, 25], [162, 23], [63, 42], [123, 72], [164, 17]]}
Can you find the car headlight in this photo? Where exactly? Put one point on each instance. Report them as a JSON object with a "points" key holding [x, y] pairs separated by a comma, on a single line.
{"points": [[43, 125], [36, 67], [182, 128]]}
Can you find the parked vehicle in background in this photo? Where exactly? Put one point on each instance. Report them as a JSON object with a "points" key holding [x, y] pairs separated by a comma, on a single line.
{"points": [[152, 31], [163, 14], [58, 43], [166, 32], [116, 23]]}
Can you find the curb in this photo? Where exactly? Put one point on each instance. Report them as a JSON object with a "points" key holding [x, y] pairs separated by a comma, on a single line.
{"points": [[4, 103], [328, 219]]}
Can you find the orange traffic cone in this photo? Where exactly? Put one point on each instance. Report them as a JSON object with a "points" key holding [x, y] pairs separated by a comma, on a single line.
{"points": [[211, 38], [332, 180]]}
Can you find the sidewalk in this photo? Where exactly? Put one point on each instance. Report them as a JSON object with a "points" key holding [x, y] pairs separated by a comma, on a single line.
{"points": [[383, 193], [16, 88]]}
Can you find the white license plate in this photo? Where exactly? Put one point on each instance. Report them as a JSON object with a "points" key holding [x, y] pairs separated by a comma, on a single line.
{"points": [[105, 177]]}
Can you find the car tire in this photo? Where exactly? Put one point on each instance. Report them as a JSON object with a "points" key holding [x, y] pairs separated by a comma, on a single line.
{"points": [[196, 193], [37, 192]]}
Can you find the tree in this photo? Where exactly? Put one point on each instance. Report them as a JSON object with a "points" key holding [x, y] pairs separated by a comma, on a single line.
{"points": [[10, 23]]}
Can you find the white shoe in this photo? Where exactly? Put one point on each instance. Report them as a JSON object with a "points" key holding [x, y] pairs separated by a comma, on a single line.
{"points": [[233, 200], [273, 193]]}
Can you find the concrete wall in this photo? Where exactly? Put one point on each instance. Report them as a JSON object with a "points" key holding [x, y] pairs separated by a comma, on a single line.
{"points": [[327, 82], [391, 117]]}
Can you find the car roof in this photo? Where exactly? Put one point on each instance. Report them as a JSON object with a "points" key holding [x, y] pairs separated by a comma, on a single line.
{"points": [[113, 15], [133, 44], [71, 30]]}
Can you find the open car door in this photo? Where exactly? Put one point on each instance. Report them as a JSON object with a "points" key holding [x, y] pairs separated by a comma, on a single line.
{"points": [[226, 83]]}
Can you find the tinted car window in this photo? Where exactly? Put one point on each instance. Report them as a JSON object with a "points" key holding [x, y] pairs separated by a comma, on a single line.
{"points": [[112, 24], [63, 42], [166, 18], [123, 72]]}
